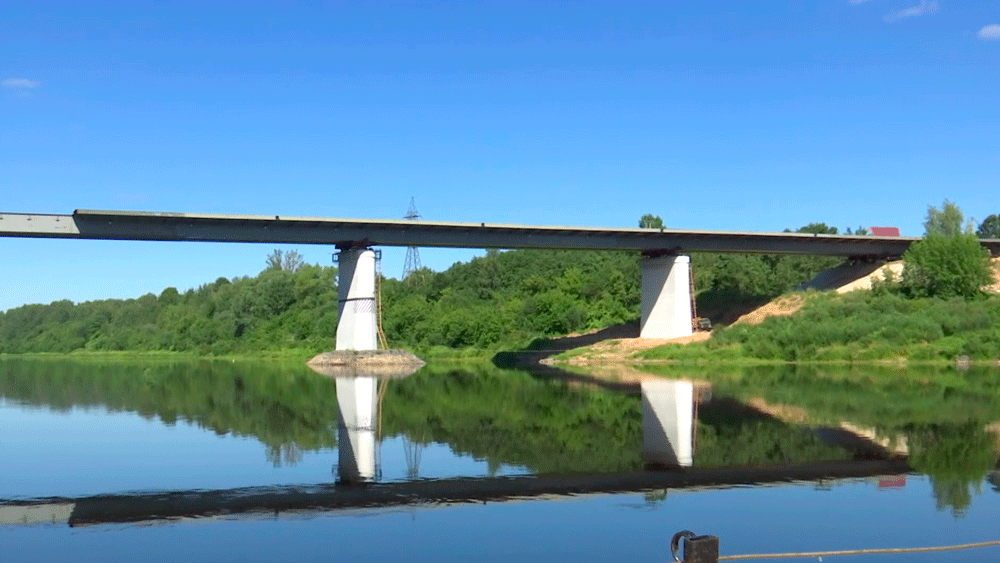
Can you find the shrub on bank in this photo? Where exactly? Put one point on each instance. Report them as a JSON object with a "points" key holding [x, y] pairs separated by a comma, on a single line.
{"points": [[946, 266], [872, 326]]}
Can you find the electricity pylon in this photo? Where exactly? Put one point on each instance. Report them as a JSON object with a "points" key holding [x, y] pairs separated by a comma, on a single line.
{"points": [[412, 263]]}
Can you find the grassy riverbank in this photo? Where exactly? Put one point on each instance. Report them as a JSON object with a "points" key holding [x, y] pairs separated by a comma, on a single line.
{"points": [[291, 355], [858, 327]]}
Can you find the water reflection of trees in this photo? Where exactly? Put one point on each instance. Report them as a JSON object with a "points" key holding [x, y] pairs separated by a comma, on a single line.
{"points": [[732, 434], [940, 411], [875, 396], [511, 418], [286, 407], [956, 459]]}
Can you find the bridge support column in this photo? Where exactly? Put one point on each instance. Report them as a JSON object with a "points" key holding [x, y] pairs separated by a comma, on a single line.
{"points": [[356, 420], [668, 422], [357, 327], [666, 297]]}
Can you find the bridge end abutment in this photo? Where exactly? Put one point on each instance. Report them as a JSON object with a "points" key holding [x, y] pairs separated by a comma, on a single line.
{"points": [[357, 322], [666, 296]]}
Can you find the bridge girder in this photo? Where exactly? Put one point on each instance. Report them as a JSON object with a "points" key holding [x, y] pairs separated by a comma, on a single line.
{"points": [[153, 226]]}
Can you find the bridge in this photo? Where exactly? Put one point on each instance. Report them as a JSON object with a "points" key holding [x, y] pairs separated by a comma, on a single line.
{"points": [[666, 298]]}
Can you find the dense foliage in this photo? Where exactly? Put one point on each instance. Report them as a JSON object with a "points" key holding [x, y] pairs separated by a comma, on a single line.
{"points": [[947, 221], [277, 309], [511, 297], [990, 227], [871, 326], [946, 266]]}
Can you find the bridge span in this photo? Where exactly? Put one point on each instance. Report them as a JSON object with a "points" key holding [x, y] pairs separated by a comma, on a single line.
{"points": [[666, 298], [155, 226]]}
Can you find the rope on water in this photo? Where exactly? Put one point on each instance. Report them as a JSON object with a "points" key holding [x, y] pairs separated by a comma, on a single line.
{"points": [[858, 551]]}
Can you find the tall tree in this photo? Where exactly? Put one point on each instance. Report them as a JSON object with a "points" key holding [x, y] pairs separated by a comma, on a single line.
{"points": [[292, 261], [990, 227], [274, 260], [650, 222], [947, 221], [289, 261]]}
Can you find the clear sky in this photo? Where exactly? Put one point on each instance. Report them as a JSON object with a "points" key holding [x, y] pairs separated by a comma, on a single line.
{"points": [[736, 115]]}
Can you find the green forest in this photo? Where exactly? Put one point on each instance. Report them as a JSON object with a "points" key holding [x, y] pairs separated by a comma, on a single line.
{"points": [[504, 299]]}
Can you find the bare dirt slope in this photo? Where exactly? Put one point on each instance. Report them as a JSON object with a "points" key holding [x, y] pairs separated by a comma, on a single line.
{"points": [[844, 278], [995, 288], [619, 350]]}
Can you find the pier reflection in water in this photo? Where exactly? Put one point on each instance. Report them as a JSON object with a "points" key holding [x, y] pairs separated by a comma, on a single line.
{"points": [[357, 426], [668, 422]]}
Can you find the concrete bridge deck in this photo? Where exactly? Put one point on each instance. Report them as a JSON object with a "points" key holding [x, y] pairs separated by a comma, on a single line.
{"points": [[155, 226]]}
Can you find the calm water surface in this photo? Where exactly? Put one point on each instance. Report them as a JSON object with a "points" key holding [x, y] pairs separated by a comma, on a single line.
{"points": [[222, 461]]}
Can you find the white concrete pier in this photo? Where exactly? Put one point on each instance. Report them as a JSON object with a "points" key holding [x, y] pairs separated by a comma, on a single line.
{"points": [[666, 297], [357, 399], [668, 422], [357, 320]]}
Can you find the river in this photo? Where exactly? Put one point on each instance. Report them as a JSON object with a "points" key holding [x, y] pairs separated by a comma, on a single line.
{"points": [[175, 460]]}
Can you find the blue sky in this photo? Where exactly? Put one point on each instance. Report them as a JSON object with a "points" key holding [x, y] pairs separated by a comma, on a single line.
{"points": [[715, 115]]}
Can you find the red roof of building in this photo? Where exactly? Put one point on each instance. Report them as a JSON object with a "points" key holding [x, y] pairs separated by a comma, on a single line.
{"points": [[885, 231]]}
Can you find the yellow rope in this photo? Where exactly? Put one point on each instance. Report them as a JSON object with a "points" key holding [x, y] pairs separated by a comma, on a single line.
{"points": [[382, 384], [858, 551], [378, 303]]}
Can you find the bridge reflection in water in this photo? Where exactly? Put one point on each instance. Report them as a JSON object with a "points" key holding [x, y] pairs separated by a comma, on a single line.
{"points": [[669, 423]]}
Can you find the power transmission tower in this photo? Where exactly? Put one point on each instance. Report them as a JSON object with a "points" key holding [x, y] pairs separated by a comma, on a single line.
{"points": [[413, 451], [412, 263]]}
